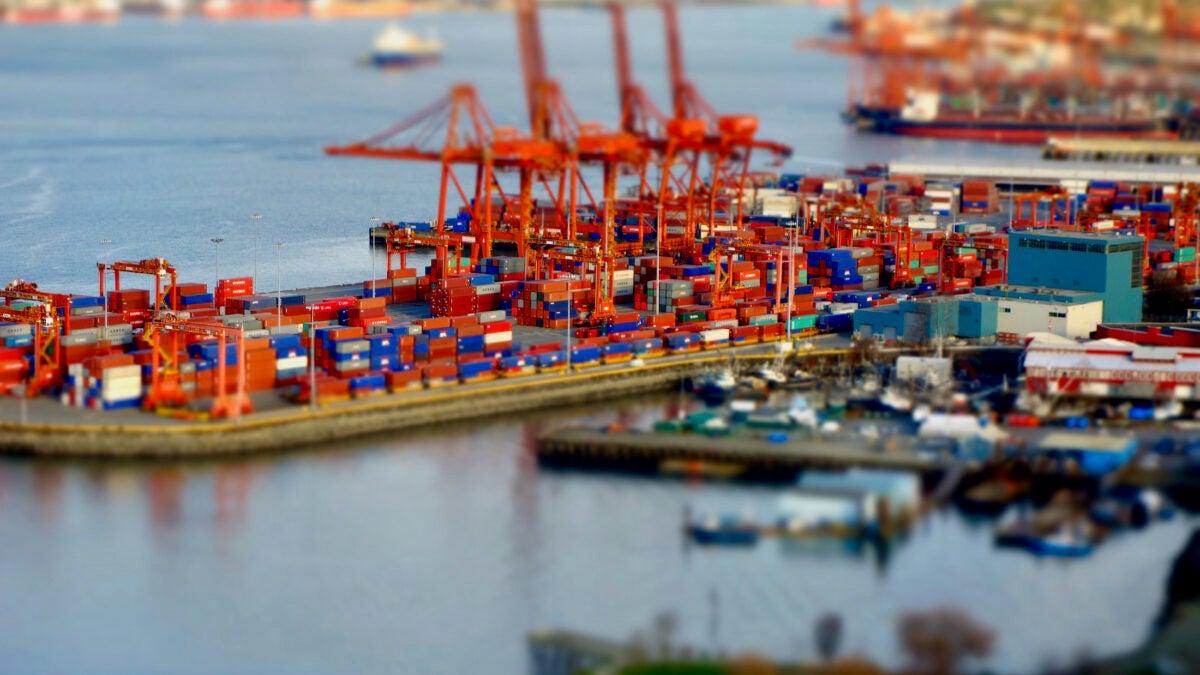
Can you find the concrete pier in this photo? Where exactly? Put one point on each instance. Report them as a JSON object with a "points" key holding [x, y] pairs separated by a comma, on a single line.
{"points": [[738, 457]]}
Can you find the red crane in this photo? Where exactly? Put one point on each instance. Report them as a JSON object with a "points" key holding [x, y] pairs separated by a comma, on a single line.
{"points": [[47, 357], [162, 335], [155, 267]]}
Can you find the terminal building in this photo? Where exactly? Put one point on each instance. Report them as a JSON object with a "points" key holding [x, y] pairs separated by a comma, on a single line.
{"points": [[1104, 263], [1059, 282]]}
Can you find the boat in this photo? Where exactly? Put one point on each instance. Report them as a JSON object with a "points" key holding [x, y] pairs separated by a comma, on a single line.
{"points": [[923, 115], [1066, 542], [714, 387], [396, 47], [727, 530], [101, 11], [345, 9], [251, 9]]}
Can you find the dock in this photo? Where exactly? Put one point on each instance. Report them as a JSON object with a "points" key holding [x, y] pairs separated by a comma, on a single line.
{"points": [[1186, 153], [1035, 175], [734, 457]]}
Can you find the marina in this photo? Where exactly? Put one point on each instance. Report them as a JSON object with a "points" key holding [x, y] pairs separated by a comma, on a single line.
{"points": [[633, 390]]}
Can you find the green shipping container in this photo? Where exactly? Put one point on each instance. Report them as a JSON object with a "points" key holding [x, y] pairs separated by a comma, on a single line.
{"points": [[914, 264], [965, 249], [804, 322], [802, 277], [763, 319], [1185, 254], [931, 269]]}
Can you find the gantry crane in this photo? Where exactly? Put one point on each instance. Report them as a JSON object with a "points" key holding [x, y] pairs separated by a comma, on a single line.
{"points": [[162, 334], [155, 267], [47, 354], [59, 304]]}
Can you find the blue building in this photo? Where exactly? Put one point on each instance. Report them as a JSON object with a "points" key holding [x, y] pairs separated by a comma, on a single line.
{"points": [[1104, 263]]}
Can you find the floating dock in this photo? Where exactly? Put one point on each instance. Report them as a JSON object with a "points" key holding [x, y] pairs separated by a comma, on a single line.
{"points": [[735, 457]]}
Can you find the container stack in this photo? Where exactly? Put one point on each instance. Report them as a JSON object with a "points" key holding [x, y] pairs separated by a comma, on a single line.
{"points": [[942, 198], [260, 373], [980, 197], [132, 304], [112, 382], [14, 364], [191, 297], [291, 358], [453, 296], [404, 285], [233, 288], [548, 303]]}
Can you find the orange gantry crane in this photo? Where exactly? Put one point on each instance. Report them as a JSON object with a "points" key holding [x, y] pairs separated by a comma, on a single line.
{"points": [[155, 267], [163, 334], [47, 354]]}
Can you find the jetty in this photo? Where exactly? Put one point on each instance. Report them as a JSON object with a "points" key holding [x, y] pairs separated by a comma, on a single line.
{"points": [[736, 457]]}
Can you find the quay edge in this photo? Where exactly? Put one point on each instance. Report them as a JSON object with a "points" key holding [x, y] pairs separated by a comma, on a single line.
{"points": [[294, 429]]}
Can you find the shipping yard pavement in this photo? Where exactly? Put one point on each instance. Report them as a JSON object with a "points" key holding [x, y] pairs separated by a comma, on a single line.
{"points": [[42, 426]]}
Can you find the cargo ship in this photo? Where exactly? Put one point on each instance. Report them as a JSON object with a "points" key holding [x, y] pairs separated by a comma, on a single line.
{"points": [[923, 115], [251, 9], [95, 12], [396, 47], [344, 9]]}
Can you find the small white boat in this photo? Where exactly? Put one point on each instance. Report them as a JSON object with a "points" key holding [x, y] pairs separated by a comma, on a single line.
{"points": [[396, 47]]}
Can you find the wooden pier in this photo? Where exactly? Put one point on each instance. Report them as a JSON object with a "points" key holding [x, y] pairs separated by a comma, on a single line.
{"points": [[733, 457]]}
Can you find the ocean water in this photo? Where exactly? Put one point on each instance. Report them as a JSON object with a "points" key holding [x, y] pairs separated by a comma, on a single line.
{"points": [[432, 552]]}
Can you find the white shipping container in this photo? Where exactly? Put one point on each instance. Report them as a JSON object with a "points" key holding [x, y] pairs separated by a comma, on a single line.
{"points": [[492, 316], [714, 335], [724, 323], [123, 372], [494, 338], [122, 391], [291, 362]]}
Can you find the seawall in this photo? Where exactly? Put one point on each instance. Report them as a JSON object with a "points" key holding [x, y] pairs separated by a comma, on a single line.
{"points": [[297, 427]]}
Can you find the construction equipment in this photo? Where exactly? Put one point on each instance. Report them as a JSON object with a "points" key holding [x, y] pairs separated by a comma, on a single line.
{"points": [[155, 267], [162, 334]]}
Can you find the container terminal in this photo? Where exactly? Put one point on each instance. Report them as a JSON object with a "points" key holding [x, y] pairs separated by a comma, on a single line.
{"points": [[684, 246]]}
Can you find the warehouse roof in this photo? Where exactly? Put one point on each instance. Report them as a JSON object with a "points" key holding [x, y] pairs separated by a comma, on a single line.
{"points": [[1040, 294], [1061, 440], [1069, 235]]}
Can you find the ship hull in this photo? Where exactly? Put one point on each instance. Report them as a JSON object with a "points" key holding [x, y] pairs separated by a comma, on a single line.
{"points": [[38, 16], [353, 10], [254, 10], [1003, 130], [401, 60]]}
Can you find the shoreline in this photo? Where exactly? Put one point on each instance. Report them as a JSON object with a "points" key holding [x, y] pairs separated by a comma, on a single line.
{"points": [[300, 427]]}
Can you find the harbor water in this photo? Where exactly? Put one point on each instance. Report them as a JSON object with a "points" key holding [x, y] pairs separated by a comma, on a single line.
{"points": [[433, 552]]}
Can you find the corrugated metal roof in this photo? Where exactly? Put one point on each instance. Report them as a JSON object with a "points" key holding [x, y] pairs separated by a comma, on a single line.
{"points": [[1062, 440], [1050, 173]]}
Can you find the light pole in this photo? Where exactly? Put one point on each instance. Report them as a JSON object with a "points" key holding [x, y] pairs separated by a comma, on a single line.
{"points": [[570, 312], [105, 242], [278, 287], [216, 260], [256, 217], [312, 357], [371, 252], [791, 281]]}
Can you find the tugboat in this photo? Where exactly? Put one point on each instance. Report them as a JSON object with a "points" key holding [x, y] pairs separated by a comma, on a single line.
{"points": [[398, 48], [727, 530]]}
